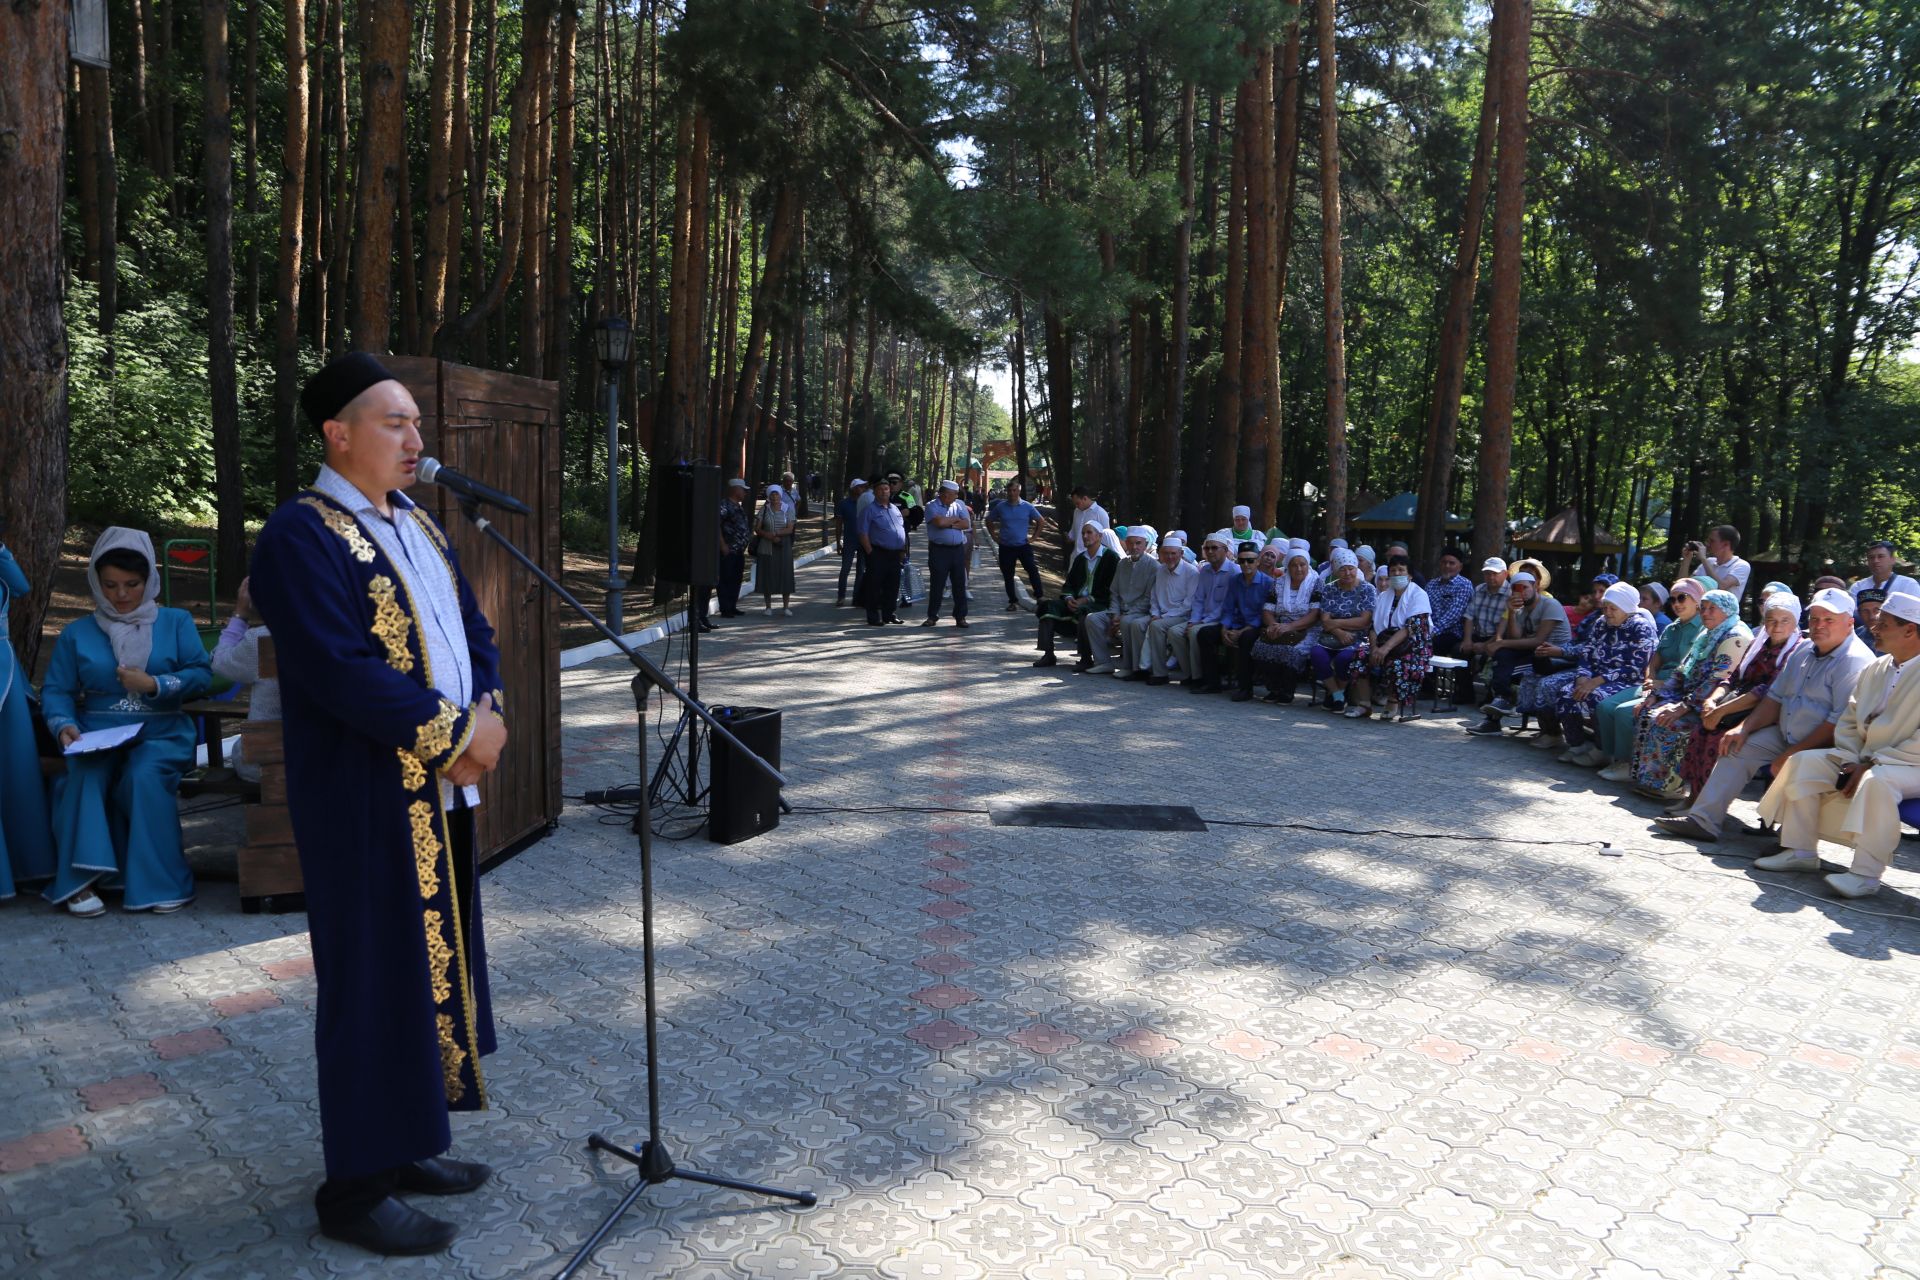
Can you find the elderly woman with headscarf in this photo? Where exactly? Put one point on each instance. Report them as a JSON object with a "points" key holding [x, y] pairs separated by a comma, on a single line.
{"points": [[1741, 689], [26, 842], [1087, 591], [1618, 722], [1241, 526], [1289, 625], [773, 551], [1660, 746], [1401, 648], [129, 663], [1346, 623], [1653, 598], [1613, 659]]}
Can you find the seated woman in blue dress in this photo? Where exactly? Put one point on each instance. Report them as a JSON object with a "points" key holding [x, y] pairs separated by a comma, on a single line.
{"points": [[26, 843], [116, 819]]}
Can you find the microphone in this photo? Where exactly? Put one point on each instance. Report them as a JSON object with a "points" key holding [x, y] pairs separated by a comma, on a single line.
{"points": [[430, 470]]}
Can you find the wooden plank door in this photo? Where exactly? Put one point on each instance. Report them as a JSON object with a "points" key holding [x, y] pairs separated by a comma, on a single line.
{"points": [[505, 430]]}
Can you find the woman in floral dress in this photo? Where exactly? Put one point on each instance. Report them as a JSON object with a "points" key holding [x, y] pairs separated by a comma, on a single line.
{"points": [[1743, 687], [1660, 743]]}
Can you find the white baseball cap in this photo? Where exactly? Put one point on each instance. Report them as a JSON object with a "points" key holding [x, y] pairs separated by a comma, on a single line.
{"points": [[1495, 564]]}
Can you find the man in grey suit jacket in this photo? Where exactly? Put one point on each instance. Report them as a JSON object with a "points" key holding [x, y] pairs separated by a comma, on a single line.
{"points": [[1132, 597]]}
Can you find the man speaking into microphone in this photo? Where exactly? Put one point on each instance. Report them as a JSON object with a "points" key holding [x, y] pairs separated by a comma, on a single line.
{"points": [[390, 684]]}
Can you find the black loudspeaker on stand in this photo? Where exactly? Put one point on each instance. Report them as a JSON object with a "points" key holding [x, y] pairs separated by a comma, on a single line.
{"points": [[652, 1158], [687, 530]]}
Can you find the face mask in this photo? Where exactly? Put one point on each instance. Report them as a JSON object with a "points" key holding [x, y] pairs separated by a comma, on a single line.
{"points": [[1399, 581]]}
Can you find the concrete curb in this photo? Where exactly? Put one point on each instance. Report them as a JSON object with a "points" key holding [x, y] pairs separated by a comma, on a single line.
{"points": [[570, 658]]}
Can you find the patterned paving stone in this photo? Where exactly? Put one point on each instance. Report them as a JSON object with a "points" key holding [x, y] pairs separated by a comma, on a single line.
{"points": [[1037, 1054]]}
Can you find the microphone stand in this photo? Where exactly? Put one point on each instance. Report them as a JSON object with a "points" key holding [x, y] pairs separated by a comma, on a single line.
{"points": [[651, 1158]]}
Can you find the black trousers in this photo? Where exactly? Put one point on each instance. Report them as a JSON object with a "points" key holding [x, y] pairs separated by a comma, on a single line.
{"points": [[1243, 659], [733, 568], [1500, 676], [883, 584], [1206, 645], [853, 560], [1010, 557], [946, 564], [342, 1200]]}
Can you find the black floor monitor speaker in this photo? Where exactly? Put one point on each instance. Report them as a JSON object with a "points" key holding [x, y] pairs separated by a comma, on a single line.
{"points": [[743, 802], [687, 533]]}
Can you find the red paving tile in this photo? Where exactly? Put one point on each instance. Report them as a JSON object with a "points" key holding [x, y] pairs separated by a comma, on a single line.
{"points": [[41, 1148], [946, 884], [189, 1043], [947, 862], [281, 970], [1819, 1056], [1734, 1056], [120, 1091], [1244, 1044], [946, 935], [1539, 1050], [943, 1033], [1144, 1041], [245, 1002], [948, 844], [1905, 1057], [1646, 1055], [948, 909], [1443, 1049]]}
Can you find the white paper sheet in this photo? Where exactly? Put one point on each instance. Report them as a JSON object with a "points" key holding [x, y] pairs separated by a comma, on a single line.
{"points": [[103, 739]]}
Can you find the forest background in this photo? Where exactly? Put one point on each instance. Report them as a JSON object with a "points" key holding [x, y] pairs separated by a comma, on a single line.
{"points": [[1650, 258]]}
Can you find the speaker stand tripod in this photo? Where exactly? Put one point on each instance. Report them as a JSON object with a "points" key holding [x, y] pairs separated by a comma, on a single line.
{"points": [[686, 788], [652, 1158]]}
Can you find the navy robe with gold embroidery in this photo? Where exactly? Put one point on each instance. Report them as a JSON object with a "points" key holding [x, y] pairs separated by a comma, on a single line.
{"points": [[404, 1014]]}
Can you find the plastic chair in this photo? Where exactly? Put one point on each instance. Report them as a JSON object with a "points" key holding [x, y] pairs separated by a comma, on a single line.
{"points": [[1446, 675]]}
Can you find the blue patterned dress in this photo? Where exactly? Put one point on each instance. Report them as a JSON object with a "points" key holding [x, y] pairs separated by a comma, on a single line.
{"points": [[1659, 751], [116, 814], [1618, 655]]}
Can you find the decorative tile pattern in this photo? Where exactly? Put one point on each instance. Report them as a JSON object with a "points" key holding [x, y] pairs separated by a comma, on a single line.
{"points": [[1036, 1054]]}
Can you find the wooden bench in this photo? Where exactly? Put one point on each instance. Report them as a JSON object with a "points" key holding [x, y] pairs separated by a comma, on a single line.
{"points": [[269, 865]]}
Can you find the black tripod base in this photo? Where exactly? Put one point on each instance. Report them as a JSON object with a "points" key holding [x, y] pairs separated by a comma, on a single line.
{"points": [[657, 1166]]}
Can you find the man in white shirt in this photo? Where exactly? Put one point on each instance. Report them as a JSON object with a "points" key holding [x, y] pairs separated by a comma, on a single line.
{"points": [[1173, 588], [1852, 793], [1719, 555], [1085, 509], [1880, 574]]}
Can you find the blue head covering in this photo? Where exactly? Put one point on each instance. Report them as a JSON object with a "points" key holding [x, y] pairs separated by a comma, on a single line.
{"points": [[1710, 637]]}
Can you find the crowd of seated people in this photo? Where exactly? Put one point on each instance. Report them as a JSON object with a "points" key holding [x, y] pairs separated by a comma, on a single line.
{"points": [[1660, 686]]}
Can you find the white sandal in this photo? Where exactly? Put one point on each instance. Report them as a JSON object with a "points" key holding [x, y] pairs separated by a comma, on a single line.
{"points": [[86, 904]]}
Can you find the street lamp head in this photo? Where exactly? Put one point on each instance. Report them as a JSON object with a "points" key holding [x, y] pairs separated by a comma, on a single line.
{"points": [[613, 343]]}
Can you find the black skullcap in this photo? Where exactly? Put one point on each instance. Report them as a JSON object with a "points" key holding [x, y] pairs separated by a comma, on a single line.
{"points": [[336, 386]]}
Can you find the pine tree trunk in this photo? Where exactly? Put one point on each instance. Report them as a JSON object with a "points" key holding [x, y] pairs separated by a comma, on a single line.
{"points": [[536, 60], [1503, 305], [385, 31], [1059, 352], [448, 301], [252, 163], [560, 279], [441, 127], [1233, 325], [1167, 449], [1260, 358], [96, 117], [33, 332], [1286, 151], [780, 239], [456, 332], [286, 316], [217, 178], [1450, 363], [1331, 271]]}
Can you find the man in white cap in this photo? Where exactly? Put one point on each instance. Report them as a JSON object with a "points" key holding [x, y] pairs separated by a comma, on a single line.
{"points": [[1486, 610], [1851, 793], [1243, 530], [1172, 599], [1130, 597], [1798, 713], [949, 525], [1196, 640], [845, 512]]}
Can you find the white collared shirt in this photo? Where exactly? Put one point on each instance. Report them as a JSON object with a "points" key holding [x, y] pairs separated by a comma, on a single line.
{"points": [[424, 571]]}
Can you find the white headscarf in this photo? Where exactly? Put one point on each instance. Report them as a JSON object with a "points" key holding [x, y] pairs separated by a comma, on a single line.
{"points": [[130, 633], [1288, 598], [1391, 612], [1109, 541], [1788, 603], [1341, 559]]}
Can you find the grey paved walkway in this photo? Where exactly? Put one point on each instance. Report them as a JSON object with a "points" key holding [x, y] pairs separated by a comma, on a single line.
{"points": [[1062, 1055]]}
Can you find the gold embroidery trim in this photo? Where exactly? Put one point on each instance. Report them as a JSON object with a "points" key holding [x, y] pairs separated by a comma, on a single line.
{"points": [[344, 525], [452, 1058], [391, 625], [413, 774], [439, 958], [435, 738], [431, 529], [460, 957], [426, 851]]}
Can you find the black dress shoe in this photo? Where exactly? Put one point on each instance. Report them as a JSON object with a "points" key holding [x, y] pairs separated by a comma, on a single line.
{"points": [[1157, 680], [1046, 660], [1133, 677], [440, 1176], [396, 1229], [959, 622], [928, 622], [898, 622], [1083, 666], [708, 626]]}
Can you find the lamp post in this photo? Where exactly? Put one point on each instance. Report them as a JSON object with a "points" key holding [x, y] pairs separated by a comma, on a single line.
{"points": [[613, 342]]}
